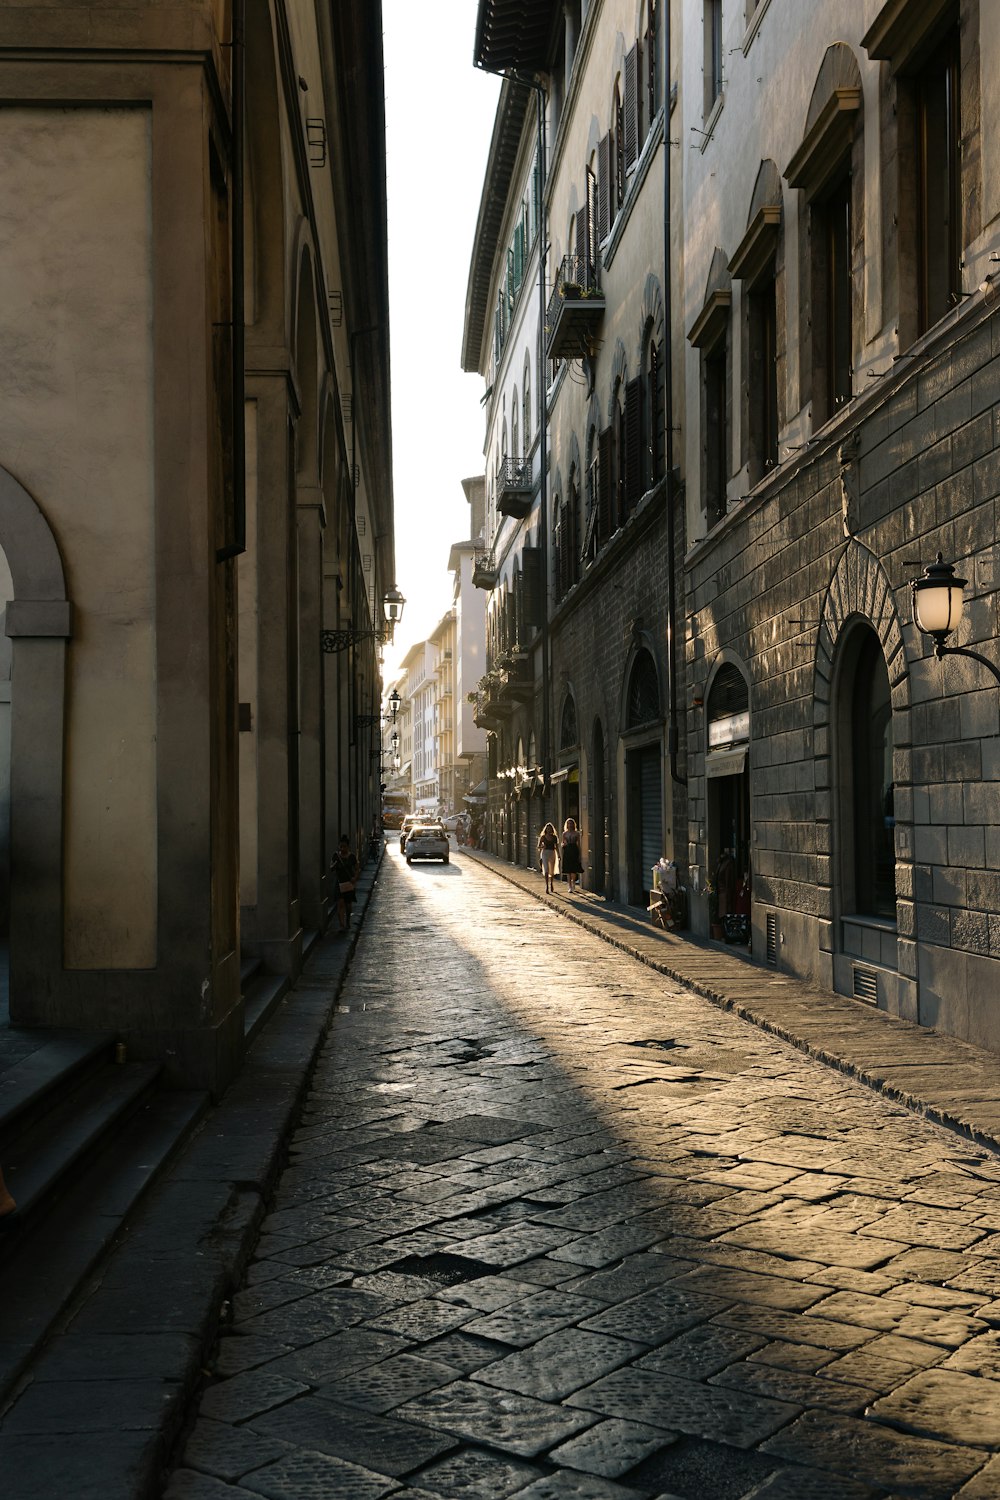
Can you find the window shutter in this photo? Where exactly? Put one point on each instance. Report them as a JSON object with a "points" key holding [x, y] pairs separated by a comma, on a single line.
{"points": [[656, 408], [633, 444], [631, 106], [604, 450], [582, 267], [604, 186], [534, 594]]}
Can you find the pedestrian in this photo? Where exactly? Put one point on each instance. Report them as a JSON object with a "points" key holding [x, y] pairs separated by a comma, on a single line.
{"points": [[345, 872], [548, 844], [570, 861]]}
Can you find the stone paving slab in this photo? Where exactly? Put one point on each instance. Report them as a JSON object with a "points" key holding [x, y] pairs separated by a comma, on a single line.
{"points": [[833, 1028], [409, 1324]]}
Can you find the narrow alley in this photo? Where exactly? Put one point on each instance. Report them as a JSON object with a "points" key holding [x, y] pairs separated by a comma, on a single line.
{"points": [[554, 1226]]}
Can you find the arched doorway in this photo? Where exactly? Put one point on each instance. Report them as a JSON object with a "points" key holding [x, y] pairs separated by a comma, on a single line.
{"points": [[567, 778], [35, 620], [643, 733], [727, 779], [599, 818], [866, 822]]}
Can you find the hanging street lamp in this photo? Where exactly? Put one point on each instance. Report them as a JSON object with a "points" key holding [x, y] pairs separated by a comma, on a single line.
{"points": [[938, 602]]}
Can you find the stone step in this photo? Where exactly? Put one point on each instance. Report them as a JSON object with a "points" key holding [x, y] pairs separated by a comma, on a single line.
{"points": [[48, 1261]]}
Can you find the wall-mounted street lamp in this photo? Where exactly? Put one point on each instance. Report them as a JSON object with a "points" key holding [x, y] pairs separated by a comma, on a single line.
{"points": [[339, 640], [394, 704], [938, 601]]}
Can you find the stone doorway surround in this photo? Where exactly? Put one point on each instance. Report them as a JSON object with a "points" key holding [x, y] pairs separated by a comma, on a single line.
{"points": [[863, 956]]}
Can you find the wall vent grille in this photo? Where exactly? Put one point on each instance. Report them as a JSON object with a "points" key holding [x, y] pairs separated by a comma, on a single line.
{"points": [[772, 937], [866, 985]]}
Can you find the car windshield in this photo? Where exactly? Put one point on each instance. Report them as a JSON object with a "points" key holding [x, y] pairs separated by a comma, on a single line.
{"points": [[428, 828]]}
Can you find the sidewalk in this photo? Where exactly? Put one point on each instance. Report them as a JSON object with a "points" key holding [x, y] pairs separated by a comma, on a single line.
{"points": [[946, 1080], [96, 1413]]}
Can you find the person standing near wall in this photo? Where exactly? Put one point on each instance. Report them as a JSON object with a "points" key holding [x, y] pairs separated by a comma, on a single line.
{"points": [[548, 845], [345, 872], [570, 860]]}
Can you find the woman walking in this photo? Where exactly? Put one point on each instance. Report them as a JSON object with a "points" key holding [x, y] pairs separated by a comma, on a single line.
{"points": [[345, 872], [570, 861], [548, 843]]}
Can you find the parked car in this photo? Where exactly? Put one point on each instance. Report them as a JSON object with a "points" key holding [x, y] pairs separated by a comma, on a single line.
{"points": [[409, 822], [427, 841]]}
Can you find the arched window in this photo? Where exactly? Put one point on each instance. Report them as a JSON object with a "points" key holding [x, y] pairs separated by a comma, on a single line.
{"points": [[515, 451], [617, 477], [503, 439], [526, 398], [652, 408], [617, 151], [643, 705], [568, 736]]}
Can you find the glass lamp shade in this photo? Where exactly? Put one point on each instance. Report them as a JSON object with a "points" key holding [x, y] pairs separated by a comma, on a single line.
{"points": [[394, 703], [393, 602], [938, 599]]}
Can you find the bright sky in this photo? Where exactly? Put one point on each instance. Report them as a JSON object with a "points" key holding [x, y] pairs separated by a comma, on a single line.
{"points": [[439, 120]]}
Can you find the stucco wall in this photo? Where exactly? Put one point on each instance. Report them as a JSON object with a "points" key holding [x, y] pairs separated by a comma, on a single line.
{"points": [[76, 430]]}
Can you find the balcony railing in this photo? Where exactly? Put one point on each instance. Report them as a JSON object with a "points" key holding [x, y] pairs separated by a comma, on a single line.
{"points": [[575, 309], [484, 571], [514, 487], [517, 679]]}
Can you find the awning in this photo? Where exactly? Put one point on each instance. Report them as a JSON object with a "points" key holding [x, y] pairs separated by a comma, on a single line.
{"points": [[726, 762], [565, 773]]}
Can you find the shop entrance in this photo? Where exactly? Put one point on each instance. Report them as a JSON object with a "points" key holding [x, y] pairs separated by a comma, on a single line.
{"points": [[728, 786], [645, 804]]}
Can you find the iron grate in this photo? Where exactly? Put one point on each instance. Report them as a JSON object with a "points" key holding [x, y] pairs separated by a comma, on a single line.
{"points": [[866, 985], [771, 951]]}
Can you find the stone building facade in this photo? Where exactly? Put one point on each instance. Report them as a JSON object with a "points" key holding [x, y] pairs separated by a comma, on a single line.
{"points": [[582, 675], [841, 428], [179, 523]]}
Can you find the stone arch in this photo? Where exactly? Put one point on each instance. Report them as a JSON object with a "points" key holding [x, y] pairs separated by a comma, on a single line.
{"points": [[719, 279], [766, 189], [838, 70], [860, 594], [38, 624], [652, 304], [859, 587], [619, 370]]}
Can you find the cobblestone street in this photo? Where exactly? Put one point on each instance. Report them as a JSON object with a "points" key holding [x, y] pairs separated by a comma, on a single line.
{"points": [[553, 1226]]}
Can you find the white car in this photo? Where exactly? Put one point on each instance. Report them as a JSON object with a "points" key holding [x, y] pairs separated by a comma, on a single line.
{"points": [[427, 841]]}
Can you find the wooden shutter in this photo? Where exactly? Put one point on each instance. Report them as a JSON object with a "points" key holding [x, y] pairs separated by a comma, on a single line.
{"points": [[631, 105], [572, 542], [605, 443], [604, 170], [633, 444], [581, 269]]}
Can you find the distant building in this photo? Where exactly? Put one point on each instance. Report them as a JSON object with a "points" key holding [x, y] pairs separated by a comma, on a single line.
{"points": [[580, 693]]}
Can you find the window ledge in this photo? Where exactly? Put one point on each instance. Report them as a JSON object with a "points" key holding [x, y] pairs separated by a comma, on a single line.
{"points": [[636, 178], [754, 26], [712, 121], [875, 924]]}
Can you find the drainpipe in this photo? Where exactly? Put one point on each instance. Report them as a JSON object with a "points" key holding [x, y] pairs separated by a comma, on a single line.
{"points": [[543, 432], [237, 64], [668, 420]]}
